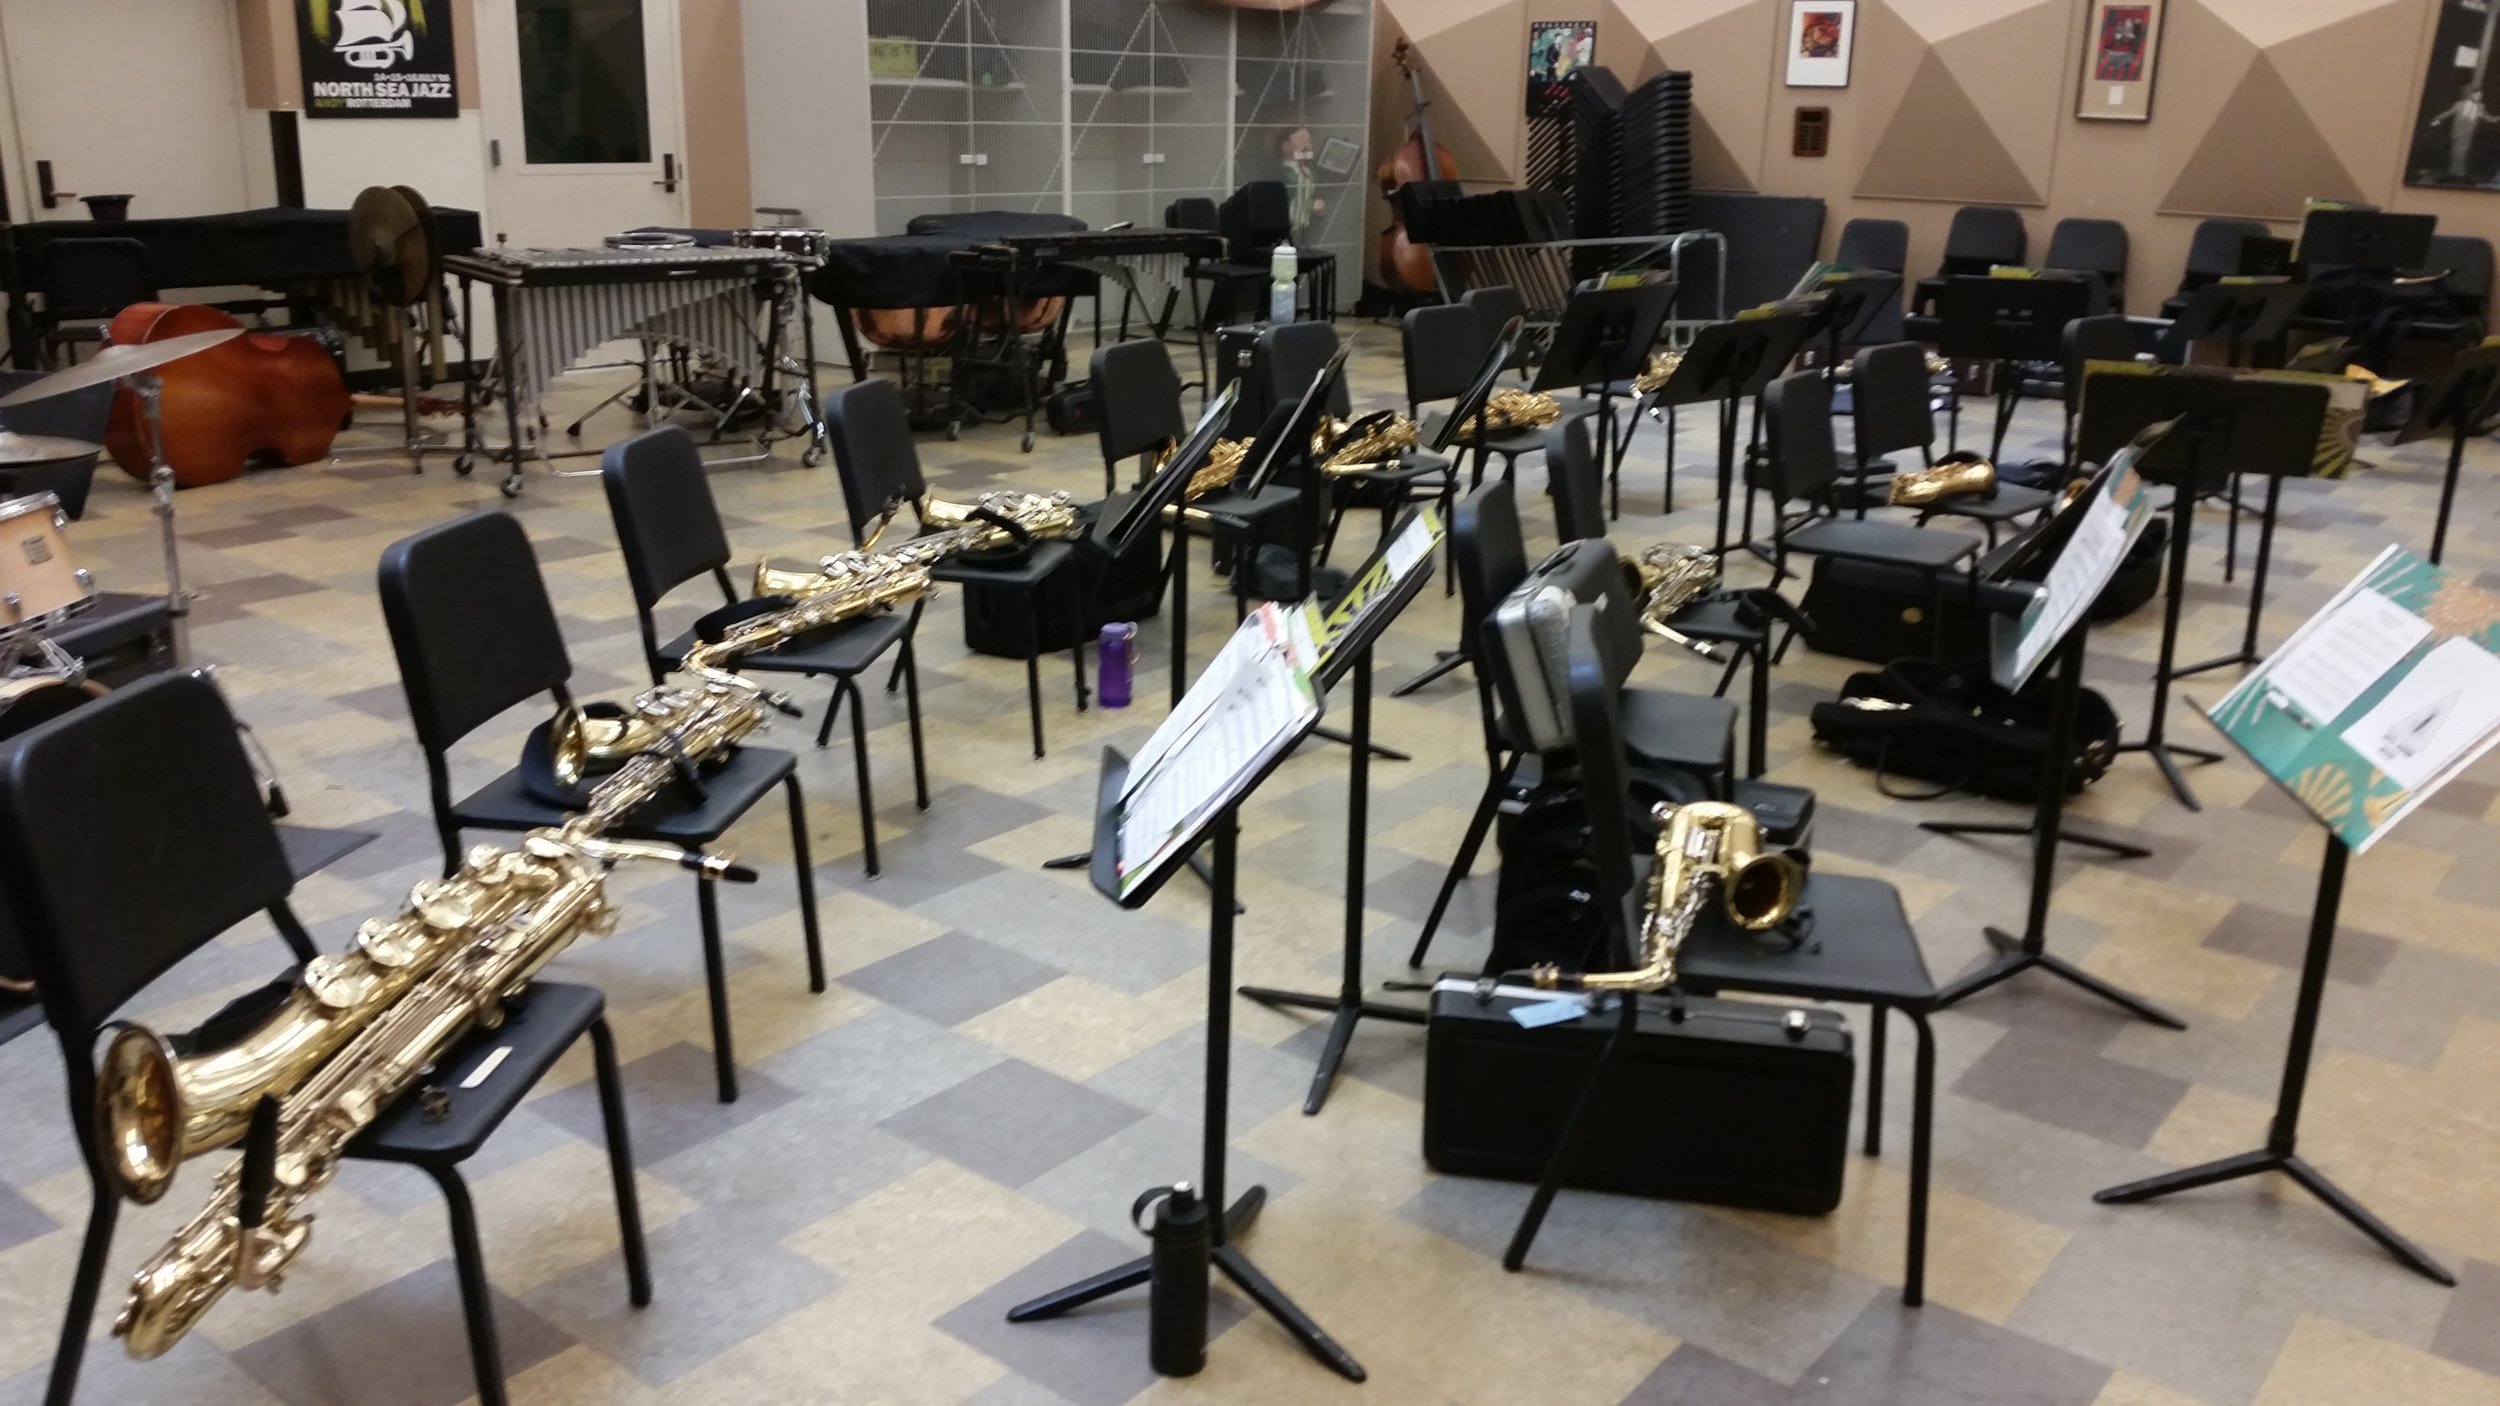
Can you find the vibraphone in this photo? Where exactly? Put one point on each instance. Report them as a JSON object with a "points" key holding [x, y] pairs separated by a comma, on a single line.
{"points": [[1129, 258], [553, 306]]}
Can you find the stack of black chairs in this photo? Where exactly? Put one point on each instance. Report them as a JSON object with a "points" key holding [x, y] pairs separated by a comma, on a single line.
{"points": [[1654, 158]]}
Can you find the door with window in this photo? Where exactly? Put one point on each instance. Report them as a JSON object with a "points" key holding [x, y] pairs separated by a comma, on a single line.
{"points": [[584, 118]]}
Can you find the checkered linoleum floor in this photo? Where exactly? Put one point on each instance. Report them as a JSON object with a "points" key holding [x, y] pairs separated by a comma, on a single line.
{"points": [[1004, 1060]]}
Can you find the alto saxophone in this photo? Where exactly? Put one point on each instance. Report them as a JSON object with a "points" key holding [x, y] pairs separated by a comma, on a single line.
{"points": [[1364, 444], [1705, 849], [358, 1030], [1961, 474], [1511, 408], [1667, 577]]}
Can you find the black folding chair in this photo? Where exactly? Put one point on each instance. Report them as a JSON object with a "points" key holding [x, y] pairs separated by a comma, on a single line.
{"points": [[2095, 247], [1881, 246], [1286, 359], [1445, 346], [2213, 255], [879, 465], [158, 767], [1980, 238], [660, 496], [1137, 406], [1891, 411], [476, 636]]}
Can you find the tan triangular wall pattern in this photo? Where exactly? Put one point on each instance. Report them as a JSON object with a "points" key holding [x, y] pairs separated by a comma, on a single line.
{"points": [[1481, 50], [1939, 148], [1731, 107], [2261, 158]]}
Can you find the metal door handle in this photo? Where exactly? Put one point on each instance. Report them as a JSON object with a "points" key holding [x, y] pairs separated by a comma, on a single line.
{"points": [[44, 187], [668, 172]]}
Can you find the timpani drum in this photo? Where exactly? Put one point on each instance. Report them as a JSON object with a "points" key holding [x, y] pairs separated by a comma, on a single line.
{"points": [[40, 582]]}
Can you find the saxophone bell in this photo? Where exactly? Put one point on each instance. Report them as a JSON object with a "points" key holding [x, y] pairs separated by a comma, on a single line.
{"points": [[139, 1112], [1961, 474]]}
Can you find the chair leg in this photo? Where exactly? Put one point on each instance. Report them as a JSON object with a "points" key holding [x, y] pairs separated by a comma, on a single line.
{"points": [[1033, 667], [1076, 648], [476, 1304], [867, 792], [621, 1163], [833, 710], [806, 867], [893, 677], [71, 1354], [716, 987], [911, 714]]}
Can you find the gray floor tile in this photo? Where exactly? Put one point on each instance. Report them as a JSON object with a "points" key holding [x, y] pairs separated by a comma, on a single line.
{"points": [[1933, 1356], [950, 978], [403, 1344], [1692, 1376], [1091, 1356], [2072, 1087], [1011, 1122], [714, 1285], [672, 1102]]}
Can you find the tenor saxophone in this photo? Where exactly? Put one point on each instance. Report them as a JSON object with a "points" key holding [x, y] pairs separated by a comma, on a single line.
{"points": [[358, 1029], [1705, 849], [1667, 577], [1510, 408]]}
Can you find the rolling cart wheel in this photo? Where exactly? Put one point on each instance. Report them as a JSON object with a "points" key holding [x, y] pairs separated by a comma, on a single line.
{"points": [[512, 484], [574, 429], [954, 430], [1028, 441], [463, 465], [811, 457]]}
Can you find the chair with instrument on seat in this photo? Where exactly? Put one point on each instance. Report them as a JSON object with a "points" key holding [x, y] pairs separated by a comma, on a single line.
{"points": [[879, 465], [158, 767], [1445, 346], [1980, 238], [1137, 407], [1891, 411], [1286, 360], [476, 637], [660, 496], [84, 283]]}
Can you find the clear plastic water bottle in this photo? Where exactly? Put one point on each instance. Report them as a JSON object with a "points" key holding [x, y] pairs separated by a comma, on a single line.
{"points": [[1116, 663], [1284, 265]]}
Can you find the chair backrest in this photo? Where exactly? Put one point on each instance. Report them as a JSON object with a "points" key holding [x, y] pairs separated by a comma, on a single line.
{"points": [[1981, 235], [873, 452], [1255, 218], [2110, 337], [1605, 772], [1289, 356], [1573, 478], [1190, 212], [1490, 553], [95, 277], [2467, 261], [131, 834], [1137, 398], [1889, 400], [1797, 414], [471, 624], [2090, 246], [1445, 345], [1495, 306], [1874, 244], [2214, 250]]}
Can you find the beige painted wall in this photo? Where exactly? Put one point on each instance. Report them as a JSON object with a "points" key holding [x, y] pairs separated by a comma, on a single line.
{"points": [[2352, 69], [711, 52]]}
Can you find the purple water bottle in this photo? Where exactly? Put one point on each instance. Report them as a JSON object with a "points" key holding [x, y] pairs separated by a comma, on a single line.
{"points": [[1118, 654]]}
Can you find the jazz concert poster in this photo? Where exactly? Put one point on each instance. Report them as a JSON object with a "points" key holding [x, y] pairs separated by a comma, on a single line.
{"points": [[2121, 44], [376, 58], [1556, 50], [1821, 36], [2456, 132]]}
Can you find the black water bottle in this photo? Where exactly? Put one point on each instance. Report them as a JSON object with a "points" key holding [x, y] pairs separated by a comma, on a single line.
{"points": [[1176, 1326]]}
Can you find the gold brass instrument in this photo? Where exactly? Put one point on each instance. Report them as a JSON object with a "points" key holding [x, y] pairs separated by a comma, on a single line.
{"points": [[1364, 444], [1706, 849], [1223, 465], [1656, 372], [1510, 408], [1667, 577], [1962, 474], [1938, 364], [360, 1027], [1053, 516]]}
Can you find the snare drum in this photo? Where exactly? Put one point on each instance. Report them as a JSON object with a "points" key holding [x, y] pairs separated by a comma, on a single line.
{"points": [[650, 239], [806, 245], [39, 581]]}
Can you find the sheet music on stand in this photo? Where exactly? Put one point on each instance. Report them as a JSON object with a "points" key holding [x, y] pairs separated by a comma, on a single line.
{"points": [[1377, 592], [2121, 507], [2378, 700], [1255, 700]]}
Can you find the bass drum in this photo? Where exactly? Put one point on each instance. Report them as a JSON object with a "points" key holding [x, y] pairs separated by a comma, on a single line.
{"points": [[26, 704]]}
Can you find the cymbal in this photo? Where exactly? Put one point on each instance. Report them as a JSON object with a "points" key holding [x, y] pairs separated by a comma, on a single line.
{"points": [[115, 362], [17, 450]]}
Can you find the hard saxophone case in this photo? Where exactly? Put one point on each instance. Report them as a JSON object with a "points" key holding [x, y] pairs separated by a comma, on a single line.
{"points": [[1735, 1103], [1529, 628]]}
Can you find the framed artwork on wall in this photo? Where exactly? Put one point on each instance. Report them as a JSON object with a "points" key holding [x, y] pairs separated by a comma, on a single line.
{"points": [[1556, 49], [2456, 135], [2121, 44], [1821, 34]]}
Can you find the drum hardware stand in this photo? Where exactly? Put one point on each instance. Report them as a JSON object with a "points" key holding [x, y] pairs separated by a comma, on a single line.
{"points": [[2281, 1152], [414, 438], [2020, 954], [161, 485]]}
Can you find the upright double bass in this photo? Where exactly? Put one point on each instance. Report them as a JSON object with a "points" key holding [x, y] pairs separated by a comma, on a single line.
{"points": [[1403, 262]]}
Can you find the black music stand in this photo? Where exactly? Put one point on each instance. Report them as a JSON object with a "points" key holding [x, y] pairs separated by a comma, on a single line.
{"points": [[2228, 423], [1728, 362], [2282, 1150], [2010, 321], [2018, 954], [2376, 241], [1851, 304], [1221, 829], [1604, 340], [2463, 399], [1376, 596], [1469, 405]]}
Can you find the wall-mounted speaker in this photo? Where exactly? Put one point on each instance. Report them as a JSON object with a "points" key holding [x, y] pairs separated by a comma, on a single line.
{"points": [[1813, 133]]}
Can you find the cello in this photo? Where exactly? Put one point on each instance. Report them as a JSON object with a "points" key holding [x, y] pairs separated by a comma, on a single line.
{"points": [[258, 397], [1403, 262]]}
